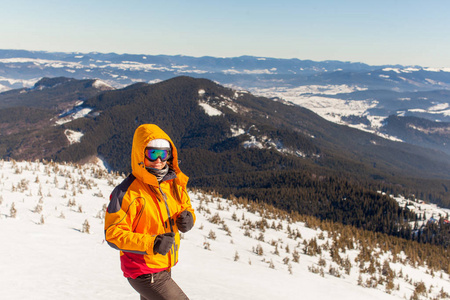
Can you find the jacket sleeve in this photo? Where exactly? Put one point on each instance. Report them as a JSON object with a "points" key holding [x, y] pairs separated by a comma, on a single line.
{"points": [[119, 219], [186, 202]]}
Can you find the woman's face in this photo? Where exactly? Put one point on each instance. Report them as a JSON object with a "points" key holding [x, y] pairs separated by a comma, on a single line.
{"points": [[157, 164]]}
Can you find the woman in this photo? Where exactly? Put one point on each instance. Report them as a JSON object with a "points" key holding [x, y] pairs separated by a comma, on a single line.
{"points": [[147, 211]]}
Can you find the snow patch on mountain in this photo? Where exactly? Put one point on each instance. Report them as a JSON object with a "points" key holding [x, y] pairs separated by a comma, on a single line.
{"points": [[426, 212], [4, 88], [21, 82], [73, 136], [335, 110], [433, 110], [286, 92], [100, 84], [75, 113], [370, 129], [437, 69], [253, 143], [58, 64], [209, 110], [264, 142], [440, 108], [236, 131], [253, 72], [402, 70]]}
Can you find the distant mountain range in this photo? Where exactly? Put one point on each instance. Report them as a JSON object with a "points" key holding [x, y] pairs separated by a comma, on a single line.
{"points": [[20, 68], [353, 94]]}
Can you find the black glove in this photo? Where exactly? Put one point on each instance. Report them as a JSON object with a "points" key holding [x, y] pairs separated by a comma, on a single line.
{"points": [[163, 243], [185, 221]]}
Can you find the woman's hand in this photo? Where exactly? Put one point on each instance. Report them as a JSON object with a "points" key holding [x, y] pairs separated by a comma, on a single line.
{"points": [[185, 221], [163, 243]]}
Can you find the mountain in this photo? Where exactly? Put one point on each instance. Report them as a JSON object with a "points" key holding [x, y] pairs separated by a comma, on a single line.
{"points": [[28, 115], [53, 93], [253, 147], [353, 94], [419, 131], [20, 67], [51, 217], [198, 113]]}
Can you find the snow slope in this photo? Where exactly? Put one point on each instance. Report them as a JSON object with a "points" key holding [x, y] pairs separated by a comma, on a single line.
{"points": [[47, 253]]}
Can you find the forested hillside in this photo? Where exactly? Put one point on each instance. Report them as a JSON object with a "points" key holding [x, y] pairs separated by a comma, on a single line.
{"points": [[264, 150], [301, 162]]}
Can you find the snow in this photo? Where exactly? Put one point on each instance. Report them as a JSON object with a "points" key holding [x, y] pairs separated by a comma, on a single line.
{"points": [[314, 98], [253, 143], [42, 62], [4, 88], [99, 84], [55, 259], [439, 107], [210, 111], [236, 131], [437, 69], [254, 72], [23, 82], [396, 70], [439, 110], [76, 113], [124, 65], [231, 71], [416, 69], [73, 136], [264, 142], [306, 89], [333, 109], [425, 210]]}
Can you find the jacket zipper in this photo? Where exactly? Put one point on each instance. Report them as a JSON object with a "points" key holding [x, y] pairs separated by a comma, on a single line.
{"points": [[171, 223]]}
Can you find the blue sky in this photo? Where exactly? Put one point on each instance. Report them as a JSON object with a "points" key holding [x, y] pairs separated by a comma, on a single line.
{"points": [[374, 32]]}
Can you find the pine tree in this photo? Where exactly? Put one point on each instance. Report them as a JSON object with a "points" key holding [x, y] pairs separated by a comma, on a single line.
{"points": [[13, 211], [212, 235], [296, 256], [271, 264], [290, 269], [86, 227], [236, 256]]}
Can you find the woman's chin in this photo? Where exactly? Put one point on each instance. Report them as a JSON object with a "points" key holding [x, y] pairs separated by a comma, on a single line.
{"points": [[158, 166]]}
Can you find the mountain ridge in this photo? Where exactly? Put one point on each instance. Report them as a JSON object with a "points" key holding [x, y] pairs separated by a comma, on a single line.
{"points": [[265, 76]]}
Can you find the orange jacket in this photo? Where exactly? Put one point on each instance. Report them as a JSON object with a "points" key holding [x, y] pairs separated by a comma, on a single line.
{"points": [[140, 209]]}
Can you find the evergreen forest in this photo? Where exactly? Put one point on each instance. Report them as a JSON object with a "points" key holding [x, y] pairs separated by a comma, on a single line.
{"points": [[302, 163]]}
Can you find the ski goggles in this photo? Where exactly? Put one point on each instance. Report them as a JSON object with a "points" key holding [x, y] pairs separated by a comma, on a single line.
{"points": [[152, 154]]}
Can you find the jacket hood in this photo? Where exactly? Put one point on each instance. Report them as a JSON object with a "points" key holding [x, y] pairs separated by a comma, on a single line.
{"points": [[142, 136]]}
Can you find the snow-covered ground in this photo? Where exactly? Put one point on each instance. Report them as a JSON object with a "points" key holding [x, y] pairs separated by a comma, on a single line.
{"points": [[425, 211], [46, 252], [314, 98]]}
